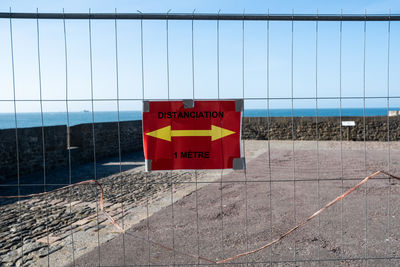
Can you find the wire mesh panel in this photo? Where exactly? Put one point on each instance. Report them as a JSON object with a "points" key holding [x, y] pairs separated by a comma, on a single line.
{"points": [[320, 135]]}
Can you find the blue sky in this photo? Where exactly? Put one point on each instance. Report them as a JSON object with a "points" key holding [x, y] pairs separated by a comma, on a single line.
{"points": [[180, 55]]}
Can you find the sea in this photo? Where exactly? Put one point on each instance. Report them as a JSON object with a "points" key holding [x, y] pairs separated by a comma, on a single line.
{"points": [[24, 120]]}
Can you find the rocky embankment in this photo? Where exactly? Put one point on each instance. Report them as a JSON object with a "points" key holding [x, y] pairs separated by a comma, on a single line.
{"points": [[34, 228]]}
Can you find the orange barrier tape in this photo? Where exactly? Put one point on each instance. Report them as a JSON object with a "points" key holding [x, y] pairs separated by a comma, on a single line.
{"points": [[114, 222], [309, 218]]}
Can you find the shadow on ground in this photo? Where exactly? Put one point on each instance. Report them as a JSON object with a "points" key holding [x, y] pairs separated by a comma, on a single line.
{"points": [[39, 182]]}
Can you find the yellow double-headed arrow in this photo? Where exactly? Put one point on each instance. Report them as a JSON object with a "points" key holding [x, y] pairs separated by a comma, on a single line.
{"points": [[166, 133]]}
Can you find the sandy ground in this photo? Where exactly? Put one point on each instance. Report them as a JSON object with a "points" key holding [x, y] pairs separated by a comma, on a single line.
{"points": [[253, 207]]}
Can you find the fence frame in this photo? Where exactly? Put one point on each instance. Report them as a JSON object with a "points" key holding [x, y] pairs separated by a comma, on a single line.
{"points": [[211, 17]]}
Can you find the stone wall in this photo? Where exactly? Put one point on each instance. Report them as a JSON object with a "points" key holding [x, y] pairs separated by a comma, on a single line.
{"points": [[30, 148], [329, 128], [106, 139], [30, 145]]}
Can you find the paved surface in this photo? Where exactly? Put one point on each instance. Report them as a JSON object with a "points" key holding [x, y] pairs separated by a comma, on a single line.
{"points": [[63, 228], [264, 202]]}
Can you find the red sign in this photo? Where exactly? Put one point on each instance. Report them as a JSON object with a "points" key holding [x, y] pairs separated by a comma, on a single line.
{"points": [[192, 134]]}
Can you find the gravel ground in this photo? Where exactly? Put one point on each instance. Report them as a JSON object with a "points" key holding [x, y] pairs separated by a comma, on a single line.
{"points": [[266, 193], [370, 214], [34, 228]]}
